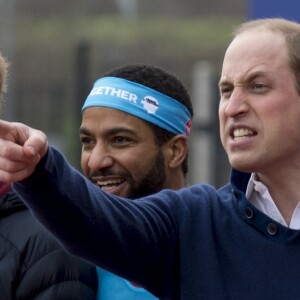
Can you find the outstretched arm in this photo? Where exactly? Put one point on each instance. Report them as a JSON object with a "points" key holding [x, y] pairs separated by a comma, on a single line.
{"points": [[135, 239], [21, 148]]}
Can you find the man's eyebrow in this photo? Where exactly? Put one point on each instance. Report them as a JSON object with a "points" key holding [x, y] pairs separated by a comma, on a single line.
{"points": [[248, 78], [83, 130], [120, 129], [223, 81], [114, 130], [255, 75]]}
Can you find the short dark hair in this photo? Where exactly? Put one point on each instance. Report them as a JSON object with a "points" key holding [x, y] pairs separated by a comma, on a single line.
{"points": [[163, 82]]}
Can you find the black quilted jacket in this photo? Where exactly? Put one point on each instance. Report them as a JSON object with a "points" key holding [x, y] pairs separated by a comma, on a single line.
{"points": [[33, 265]]}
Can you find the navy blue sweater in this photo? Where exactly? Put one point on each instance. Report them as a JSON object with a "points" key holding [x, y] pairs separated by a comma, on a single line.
{"points": [[196, 243]]}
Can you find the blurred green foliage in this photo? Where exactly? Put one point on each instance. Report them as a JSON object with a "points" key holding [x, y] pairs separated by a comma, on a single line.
{"points": [[190, 35]]}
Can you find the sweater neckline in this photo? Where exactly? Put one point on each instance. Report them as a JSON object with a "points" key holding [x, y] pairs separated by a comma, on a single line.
{"points": [[269, 227]]}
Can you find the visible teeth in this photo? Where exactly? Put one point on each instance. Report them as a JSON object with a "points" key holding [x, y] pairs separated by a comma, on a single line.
{"points": [[109, 184], [238, 133]]}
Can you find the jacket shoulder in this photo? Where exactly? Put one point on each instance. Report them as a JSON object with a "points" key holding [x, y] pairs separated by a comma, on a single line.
{"points": [[41, 266]]}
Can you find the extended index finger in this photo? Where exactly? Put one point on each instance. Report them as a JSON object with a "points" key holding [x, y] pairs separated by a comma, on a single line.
{"points": [[14, 163], [7, 130]]}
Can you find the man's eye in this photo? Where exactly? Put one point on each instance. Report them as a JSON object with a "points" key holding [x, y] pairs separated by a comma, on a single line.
{"points": [[120, 139], [85, 140], [225, 91], [258, 87]]}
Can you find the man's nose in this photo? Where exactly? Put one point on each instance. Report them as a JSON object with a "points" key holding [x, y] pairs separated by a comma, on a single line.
{"points": [[100, 158], [237, 103]]}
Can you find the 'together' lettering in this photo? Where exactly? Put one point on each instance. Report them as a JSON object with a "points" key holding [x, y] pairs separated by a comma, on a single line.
{"points": [[106, 90]]}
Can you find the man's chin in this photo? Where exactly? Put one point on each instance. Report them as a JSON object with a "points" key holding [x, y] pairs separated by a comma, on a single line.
{"points": [[119, 190]]}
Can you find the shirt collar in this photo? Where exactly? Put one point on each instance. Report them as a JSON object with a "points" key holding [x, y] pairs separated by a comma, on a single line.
{"points": [[258, 194]]}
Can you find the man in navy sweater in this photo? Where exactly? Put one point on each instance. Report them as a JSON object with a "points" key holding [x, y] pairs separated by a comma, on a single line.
{"points": [[240, 242]]}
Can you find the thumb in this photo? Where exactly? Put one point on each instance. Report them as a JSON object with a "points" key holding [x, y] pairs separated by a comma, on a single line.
{"points": [[36, 144]]}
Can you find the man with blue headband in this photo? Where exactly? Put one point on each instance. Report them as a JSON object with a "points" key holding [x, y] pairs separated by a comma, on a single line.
{"points": [[134, 134]]}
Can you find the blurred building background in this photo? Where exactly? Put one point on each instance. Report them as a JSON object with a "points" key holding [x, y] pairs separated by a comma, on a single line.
{"points": [[58, 48]]}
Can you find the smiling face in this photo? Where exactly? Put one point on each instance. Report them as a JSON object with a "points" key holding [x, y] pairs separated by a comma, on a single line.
{"points": [[119, 153], [259, 109]]}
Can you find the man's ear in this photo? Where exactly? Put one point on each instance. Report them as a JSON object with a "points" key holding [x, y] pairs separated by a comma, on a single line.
{"points": [[177, 149]]}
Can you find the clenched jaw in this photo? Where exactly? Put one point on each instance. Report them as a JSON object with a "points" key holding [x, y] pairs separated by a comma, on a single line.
{"points": [[239, 133]]}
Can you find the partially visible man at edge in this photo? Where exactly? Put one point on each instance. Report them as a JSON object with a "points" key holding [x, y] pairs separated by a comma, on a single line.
{"points": [[128, 156], [32, 263]]}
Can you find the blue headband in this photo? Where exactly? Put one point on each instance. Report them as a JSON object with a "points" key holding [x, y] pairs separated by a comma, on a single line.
{"points": [[142, 102]]}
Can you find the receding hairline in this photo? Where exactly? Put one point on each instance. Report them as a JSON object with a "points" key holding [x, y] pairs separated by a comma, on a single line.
{"points": [[279, 25], [288, 29]]}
